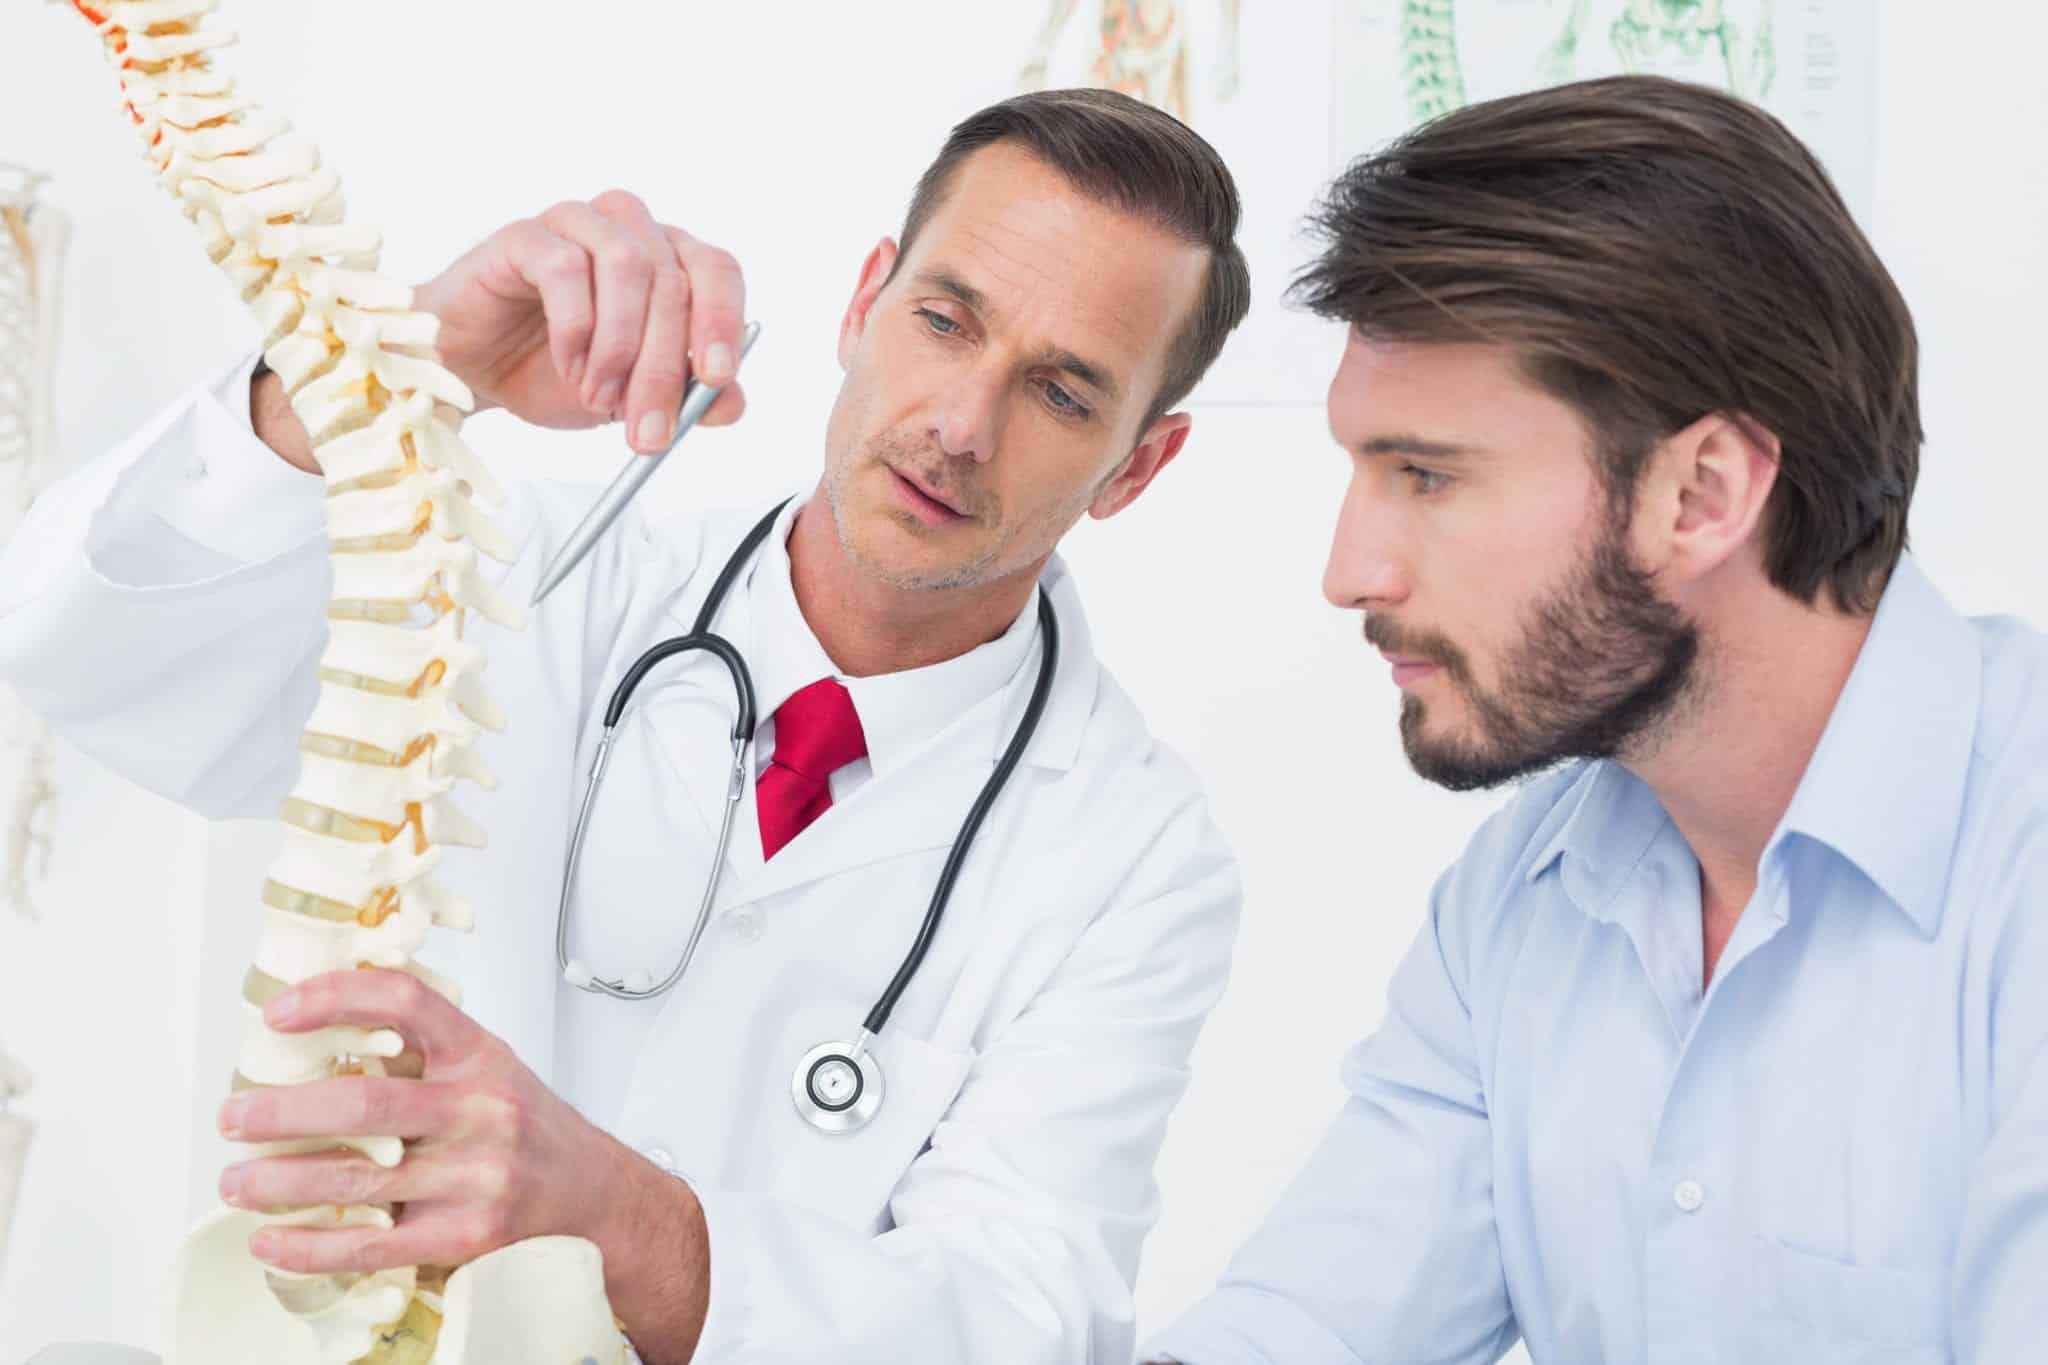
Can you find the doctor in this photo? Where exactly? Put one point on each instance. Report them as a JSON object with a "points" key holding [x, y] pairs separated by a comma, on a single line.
{"points": [[1065, 274]]}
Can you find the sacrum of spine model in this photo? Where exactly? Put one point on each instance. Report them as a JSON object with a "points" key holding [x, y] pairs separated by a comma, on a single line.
{"points": [[399, 711]]}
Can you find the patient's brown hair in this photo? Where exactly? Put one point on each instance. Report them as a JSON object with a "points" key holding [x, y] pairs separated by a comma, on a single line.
{"points": [[1653, 252]]}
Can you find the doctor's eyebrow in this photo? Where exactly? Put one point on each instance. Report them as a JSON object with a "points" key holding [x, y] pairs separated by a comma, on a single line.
{"points": [[1058, 358]]}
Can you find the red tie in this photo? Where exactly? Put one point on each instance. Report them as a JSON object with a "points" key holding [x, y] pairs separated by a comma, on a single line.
{"points": [[816, 734]]}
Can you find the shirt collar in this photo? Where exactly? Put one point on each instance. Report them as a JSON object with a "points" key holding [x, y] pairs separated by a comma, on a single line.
{"points": [[1886, 784], [899, 712], [1884, 788]]}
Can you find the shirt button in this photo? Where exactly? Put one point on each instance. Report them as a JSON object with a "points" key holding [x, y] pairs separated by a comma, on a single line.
{"points": [[661, 1157], [1689, 1195], [747, 925]]}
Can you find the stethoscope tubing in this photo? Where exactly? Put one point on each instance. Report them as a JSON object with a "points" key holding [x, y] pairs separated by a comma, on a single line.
{"points": [[702, 638]]}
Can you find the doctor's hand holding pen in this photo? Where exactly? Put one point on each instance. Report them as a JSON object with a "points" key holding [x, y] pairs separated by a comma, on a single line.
{"points": [[586, 314]]}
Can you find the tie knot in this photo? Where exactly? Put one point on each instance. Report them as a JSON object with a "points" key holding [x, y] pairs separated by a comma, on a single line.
{"points": [[817, 731]]}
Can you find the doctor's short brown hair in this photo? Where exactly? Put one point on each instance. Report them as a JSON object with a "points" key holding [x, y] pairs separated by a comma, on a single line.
{"points": [[1653, 252], [1129, 156]]}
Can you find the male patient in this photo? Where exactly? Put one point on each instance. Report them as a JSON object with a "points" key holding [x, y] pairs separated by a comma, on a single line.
{"points": [[1727, 1039]]}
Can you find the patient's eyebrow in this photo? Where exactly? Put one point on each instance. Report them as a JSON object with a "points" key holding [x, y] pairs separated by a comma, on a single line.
{"points": [[1405, 443]]}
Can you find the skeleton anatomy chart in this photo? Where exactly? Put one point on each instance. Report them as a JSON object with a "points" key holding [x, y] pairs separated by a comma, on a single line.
{"points": [[33, 234], [1142, 48], [399, 710]]}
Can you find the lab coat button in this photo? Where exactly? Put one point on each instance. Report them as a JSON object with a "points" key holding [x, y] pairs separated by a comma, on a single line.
{"points": [[1689, 1195], [747, 926], [660, 1157]]}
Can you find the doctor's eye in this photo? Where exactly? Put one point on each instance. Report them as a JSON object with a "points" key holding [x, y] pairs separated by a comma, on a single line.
{"points": [[939, 323], [1426, 480], [1061, 401]]}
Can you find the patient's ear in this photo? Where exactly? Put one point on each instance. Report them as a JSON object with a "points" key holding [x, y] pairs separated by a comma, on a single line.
{"points": [[1155, 450], [874, 273], [1702, 496]]}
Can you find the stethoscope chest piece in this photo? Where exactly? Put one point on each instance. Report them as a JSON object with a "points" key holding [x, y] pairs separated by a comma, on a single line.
{"points": [[837, 1086]]}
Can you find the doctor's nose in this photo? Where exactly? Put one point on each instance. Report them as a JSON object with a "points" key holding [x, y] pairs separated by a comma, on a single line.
{"points": [[969, 419], [1366, 567]]}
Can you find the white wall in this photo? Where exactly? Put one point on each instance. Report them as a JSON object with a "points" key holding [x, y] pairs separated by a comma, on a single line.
{"points": [[797, 151]]}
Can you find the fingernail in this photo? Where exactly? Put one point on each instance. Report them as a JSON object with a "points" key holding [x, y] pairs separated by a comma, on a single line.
{"points": [[282, 1009], [231, 1186], [717, 363], [607, 397], [264, 1245], [234, 1114], [653, 430]]}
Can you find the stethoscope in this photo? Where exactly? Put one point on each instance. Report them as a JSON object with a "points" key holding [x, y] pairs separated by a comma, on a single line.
{"points": [[837, 1085]]}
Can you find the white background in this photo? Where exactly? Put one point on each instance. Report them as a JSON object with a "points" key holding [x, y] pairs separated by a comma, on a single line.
{"points": [[792, 133]]}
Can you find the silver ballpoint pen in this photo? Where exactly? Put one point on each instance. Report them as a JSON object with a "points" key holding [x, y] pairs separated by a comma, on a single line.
{"points": [[697, 400]]}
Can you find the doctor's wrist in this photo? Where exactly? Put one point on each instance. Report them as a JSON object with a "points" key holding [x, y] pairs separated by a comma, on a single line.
{"points": [[651, 1229]]}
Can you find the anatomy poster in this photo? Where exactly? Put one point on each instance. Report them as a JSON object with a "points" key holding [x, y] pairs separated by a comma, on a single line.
{"points": [[1289, 93], [1810, 62], [1252, 77]]}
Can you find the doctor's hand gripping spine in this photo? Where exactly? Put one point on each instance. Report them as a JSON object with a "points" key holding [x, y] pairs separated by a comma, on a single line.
{"points": [[400, 704]]}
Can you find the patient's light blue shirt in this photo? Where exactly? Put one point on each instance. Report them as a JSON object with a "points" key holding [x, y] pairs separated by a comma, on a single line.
{"points": [[1838, 1152]]}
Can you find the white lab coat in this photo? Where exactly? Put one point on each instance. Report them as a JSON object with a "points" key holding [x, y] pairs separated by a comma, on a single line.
{"points": [[162, 608]]}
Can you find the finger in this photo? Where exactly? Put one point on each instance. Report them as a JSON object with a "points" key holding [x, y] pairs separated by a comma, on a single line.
{"points": [[430, 1172], [395, 1000], [352, 1106], [426, 1234], [727, 408], [622, 273], [718, 307], [655, 391], [558, 271]]}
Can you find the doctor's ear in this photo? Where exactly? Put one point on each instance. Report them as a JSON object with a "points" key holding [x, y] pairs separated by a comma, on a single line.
{"points": [[874, 273], [1155, 450], [1702, 495]]}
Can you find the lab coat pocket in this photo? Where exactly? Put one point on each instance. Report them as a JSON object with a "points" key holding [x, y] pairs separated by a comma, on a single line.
{"points": [[1840, 1311], [850, 1176]]}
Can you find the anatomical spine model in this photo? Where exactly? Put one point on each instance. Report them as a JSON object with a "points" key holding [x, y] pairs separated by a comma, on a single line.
{"points": [[399, 711]]}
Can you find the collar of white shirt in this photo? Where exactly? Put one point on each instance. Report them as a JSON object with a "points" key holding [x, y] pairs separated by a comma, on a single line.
{"points": [[899, 712], [1884, 789]]}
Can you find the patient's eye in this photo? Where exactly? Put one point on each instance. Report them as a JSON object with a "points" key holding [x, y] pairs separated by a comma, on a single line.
{"points": [[939, 322], [1426, 480]]}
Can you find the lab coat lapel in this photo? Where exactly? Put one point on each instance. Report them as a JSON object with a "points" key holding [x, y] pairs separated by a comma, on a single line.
{"points": [[922, 804], [918, 806]]}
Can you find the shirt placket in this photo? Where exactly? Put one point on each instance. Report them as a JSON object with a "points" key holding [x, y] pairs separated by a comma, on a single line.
{"points": [[1696, 1258]]}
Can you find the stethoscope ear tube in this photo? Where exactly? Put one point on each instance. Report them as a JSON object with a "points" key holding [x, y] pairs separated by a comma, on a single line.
{"points": [[1013, 753], [743, 681]]}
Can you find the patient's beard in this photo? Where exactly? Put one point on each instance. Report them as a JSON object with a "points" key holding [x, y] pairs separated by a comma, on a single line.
{"points": [[1603, 662]]}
